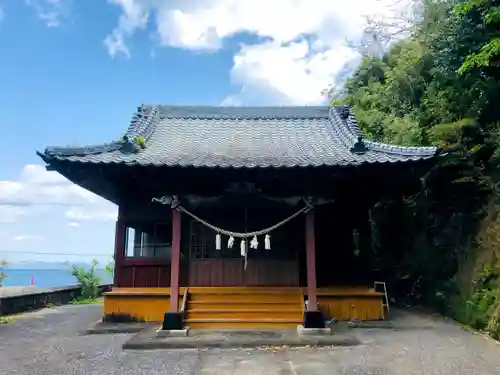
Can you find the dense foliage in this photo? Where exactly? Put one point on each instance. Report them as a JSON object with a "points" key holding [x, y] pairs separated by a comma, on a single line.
{"points": [[110, 267], [3, 264], [440, 86], [88, 279]]}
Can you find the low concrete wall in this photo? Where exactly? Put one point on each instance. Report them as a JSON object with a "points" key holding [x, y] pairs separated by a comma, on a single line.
{"points": [[25, 301]]}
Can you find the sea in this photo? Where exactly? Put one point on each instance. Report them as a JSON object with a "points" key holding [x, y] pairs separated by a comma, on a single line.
{"points": [[45, 278]]}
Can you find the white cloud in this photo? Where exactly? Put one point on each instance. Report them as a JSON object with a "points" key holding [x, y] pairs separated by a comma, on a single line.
{"points": [[43, 208], [37, 186], [38, 190], [10, 214], [303, 40], [135, 16], [292, 74], [80, 214], [2, 14], [51, 12], [23, 238]]}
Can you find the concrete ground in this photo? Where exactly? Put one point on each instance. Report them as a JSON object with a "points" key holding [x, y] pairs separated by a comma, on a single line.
{"points": [[229, 339], [48, 342]]}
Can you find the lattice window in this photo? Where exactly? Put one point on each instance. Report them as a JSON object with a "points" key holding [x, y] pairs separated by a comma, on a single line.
{"points": [[198, 247], [202, 244]]}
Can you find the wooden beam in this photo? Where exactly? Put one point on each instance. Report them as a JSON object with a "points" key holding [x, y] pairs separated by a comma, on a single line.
{"points": [[146, 262], [175, 262], [120, 242], [312, 304]]}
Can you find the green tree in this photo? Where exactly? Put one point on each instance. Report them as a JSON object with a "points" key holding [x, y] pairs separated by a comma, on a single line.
{"points": [[3, 275], [486, 49], [110, 267], [439, 86], [88, 279]]}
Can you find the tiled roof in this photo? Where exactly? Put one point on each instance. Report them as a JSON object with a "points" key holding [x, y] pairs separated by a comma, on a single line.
{"points": [[241, 137]]}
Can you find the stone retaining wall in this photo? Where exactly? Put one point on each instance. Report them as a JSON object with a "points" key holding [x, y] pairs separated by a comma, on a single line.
{"points": [[13, 304]]}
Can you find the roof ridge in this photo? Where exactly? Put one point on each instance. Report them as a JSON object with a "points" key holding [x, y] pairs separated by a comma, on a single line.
{"points": [[353, 133], [339, 125], [242, 112], [143, 122]]}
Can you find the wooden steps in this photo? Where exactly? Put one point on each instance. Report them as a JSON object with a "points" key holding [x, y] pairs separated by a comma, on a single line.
{"points": [[242, 305], [242, 323], [240, 308], [246, 314]]}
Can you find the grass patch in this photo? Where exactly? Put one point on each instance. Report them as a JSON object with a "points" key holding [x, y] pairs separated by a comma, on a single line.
{"points": [[88, 301], [481, 312], [6, 319]]}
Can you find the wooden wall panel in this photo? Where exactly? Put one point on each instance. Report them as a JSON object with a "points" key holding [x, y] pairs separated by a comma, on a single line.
{"points": [[149, 276], [144, 277], [125, 277], [271, 273], [231, 272], [215, 272]]}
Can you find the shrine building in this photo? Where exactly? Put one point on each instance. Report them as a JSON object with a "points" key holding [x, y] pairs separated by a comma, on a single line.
{"points": [[242, 217]]}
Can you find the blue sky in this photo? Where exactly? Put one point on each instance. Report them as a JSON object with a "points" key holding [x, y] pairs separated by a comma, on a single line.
{"points": [[73, 72]]}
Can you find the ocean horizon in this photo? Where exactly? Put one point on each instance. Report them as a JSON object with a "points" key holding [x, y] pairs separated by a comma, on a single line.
{"points": [[45, 278]]}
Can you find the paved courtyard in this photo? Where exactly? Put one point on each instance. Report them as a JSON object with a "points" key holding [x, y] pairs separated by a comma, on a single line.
{"points": [[48, 342]]}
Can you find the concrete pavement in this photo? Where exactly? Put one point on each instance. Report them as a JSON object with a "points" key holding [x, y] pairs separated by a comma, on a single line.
{"points": [[48, 342]]}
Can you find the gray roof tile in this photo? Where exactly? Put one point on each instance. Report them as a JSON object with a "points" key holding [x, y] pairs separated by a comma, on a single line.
{"points": [[240, 137]]}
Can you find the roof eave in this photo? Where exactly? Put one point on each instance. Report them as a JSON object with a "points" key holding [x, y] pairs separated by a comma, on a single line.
{"points": [[53, 161]]}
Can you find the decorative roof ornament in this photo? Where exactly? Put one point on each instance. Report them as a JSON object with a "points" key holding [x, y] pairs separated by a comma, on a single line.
{"points": [[359, 147], [165, 199], [172, 201], [344, 112], [132, 145]]}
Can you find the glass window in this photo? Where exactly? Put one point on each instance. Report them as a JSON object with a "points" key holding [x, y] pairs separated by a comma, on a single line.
{"points": [[149, 240]]}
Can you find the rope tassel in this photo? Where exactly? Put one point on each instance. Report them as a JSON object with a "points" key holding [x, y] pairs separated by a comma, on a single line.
{"points": [[267, 242], [254, 244], [243, 248], [230, 242], [218, 242]]}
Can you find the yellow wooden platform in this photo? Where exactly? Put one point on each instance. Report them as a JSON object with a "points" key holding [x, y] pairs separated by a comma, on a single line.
{"points": [[245, 307], [142, 304], [344, 303]]}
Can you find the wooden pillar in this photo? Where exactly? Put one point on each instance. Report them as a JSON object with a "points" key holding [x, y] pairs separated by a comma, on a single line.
{"points": [[311, 262], [120, 243], [175, 261]]}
